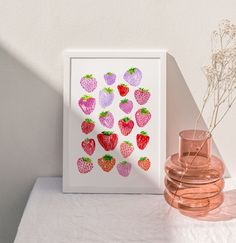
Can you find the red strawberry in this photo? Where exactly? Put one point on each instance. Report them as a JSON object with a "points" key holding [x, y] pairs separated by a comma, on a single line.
{"points": [[142, 95], [142, 140], [85, 165], [123, 89], [126, 125], [144, 163], [88, 145], [87, 126], [142, 117], [108, 140], [107, 162], [126, 149]]}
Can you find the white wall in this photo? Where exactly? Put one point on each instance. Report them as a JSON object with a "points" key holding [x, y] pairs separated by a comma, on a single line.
{"points": [[33, 35]]}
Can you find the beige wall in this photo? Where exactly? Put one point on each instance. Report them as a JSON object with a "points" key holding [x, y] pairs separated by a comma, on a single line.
{"points": [[33, 35]]}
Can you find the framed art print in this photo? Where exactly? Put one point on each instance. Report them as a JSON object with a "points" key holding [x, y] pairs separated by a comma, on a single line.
{"points": [[114, 130]]}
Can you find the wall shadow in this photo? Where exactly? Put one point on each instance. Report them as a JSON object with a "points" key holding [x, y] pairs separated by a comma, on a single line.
{"points": [[30, 138]]}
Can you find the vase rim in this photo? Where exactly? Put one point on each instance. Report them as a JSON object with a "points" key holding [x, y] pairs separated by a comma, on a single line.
{"points": [[199, 134]]}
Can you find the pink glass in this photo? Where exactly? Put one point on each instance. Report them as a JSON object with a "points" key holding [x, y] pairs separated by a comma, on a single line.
{"points": [[194, 177]]}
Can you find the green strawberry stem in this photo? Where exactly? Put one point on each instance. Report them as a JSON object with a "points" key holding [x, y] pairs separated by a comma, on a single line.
{"points": [[124, 85], [88, 76], [89, 120], [129, 143], [86, 159], [126, 119], [143, 158], [103, 114], [124, 101], [86, 97], [107, 157], [145, 111], [108, 90], [107, 133], [109, 73], [144, 133], [123, 162], [132, 70], [143, 89]]}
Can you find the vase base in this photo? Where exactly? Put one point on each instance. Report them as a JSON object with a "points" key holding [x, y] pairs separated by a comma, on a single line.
{"points": [[194, 207]]}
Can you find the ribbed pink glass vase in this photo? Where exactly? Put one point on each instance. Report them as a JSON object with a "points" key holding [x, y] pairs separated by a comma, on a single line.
{"points": [[194, 177]]}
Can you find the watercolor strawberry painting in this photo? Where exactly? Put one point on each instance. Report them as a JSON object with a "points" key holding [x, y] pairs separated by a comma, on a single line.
{"points": [[128, 97]]}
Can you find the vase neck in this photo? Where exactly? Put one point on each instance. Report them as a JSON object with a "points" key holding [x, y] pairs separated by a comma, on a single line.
{"points": [[194, 143]]}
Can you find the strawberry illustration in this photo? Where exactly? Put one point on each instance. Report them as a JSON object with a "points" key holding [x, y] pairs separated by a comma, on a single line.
{"points": [[142, 117], [88, 145], [108, 140], [133, 76], [142, 95], [124, 168], [126, 125], [85, 165], [107, 119], [87, 126], [123, 89], [126, 149], [110, 78], [106, 97], [126, 105], [107, 162], [88, 82], [144, 163], [87, 104], [142, 140]]}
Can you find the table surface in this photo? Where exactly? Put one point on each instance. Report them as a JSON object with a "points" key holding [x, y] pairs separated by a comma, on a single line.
{"points": [[53, 217]]}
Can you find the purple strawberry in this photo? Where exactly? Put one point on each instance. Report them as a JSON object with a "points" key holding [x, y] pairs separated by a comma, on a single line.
{"points": [[85, 165], [126, 105], [107, 119], [142, 95], [142, 117], [88, 82], [87, 104], [106, 97], [110, 78], [124, 168], [133, 76]]}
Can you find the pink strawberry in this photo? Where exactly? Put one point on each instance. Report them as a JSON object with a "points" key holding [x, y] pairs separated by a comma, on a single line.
{"points": [[124, 168], [126, 149], [87, 104], [85, 165], [126, 105], [142, 117], [88, 145], [126, 125], [88, 82], [142, 95], [107, 119]]}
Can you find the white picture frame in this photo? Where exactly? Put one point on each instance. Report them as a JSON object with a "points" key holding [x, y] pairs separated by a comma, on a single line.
{"points": [[74, 62]]}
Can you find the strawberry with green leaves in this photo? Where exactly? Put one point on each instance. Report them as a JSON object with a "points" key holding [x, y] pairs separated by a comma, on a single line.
{"points": [[142, 140], [88, 145], [106, 118], [126, 125], [144, 163], [106, 96], [123, 89], [108, 140], [126, 105], [124, 168], [85, 165], [126, 149], [88, 82], [107, 162], [142, 96], [142, 117], [87, 104], [87, 125]]}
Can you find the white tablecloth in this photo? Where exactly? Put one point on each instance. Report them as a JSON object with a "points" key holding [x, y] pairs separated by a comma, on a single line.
{"points": [[53, 217]]}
